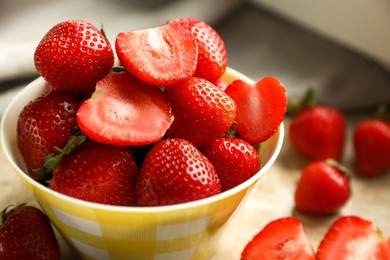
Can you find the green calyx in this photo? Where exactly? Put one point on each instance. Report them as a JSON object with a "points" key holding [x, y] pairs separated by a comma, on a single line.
{"points": [[296, 105], [341, 168]]}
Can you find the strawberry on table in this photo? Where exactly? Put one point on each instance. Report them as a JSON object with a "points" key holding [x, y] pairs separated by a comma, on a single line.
{"points": [[323, 188], [283, 238], [43, 124], [212, 57], [173, 172], [260, 108], [160, 56], [234, 159], [201, 110], [98, 173], [125, 111], [352, 237], [73, 56], [26, 233]]}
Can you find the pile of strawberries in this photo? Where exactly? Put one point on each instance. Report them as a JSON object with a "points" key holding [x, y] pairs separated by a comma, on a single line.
{"points": [[159, 129]]}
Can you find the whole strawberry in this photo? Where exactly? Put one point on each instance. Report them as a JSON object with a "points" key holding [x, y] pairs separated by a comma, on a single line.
{"points": [[43, 124], [73, 56], [212, 57], [98, 173], [173, 172], [26, 233], [316, 131], [234, 159], [323, 188], [372, 147], [201, 111]]}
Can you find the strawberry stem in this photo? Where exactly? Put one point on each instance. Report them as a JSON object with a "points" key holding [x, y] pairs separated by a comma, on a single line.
{"points": [[344, 170], [383, 112], [297, 105]]}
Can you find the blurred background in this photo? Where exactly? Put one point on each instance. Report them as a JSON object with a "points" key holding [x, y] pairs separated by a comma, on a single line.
{"points": [[340, 49]]}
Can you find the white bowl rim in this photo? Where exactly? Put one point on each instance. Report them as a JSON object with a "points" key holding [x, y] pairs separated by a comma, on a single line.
{"points": [[140, 209]]}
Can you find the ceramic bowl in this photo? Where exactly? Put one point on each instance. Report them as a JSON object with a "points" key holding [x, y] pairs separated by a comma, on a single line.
{"points": [[95, 231]]}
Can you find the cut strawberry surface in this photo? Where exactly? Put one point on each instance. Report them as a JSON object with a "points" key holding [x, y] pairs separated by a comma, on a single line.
{"points": [[284, 238], [260, 108], [160, 56], [125, 111], [351, 237]]}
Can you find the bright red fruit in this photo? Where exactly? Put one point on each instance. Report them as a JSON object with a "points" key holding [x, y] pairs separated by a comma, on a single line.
{"points": [[318, 132], [160, 56], [212, 57], [234, 159], [201, 110], [173, 172], [98, 173], [260, 108], [351, 237], [125, 111], [284, 238], [73, 56], [372, 147], [323, 188], [26, 233], [45, 122]]}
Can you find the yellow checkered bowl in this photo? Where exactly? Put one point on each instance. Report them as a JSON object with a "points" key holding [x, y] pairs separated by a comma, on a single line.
{"points": [[185, 231]]}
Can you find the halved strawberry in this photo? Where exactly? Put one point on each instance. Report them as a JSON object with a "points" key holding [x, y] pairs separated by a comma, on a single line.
{"points": [[283, 238], [352, 237], [260, 108], [160, 56], [125, 111]]}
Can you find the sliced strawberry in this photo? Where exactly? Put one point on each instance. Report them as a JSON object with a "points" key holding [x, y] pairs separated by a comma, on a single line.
{"points": [[125, 111], [284, 238], [160, 56], [260, 108], [351, 237]]}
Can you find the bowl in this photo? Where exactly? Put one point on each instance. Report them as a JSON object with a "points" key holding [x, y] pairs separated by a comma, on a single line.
{"points": [[189, 230]]}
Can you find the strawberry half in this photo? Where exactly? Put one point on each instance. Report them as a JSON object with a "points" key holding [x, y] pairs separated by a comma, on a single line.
{"points": [[73, 56], [283, 238], [260, 108], [125, 111], [173, 172], [160, 56], [351, 237]]}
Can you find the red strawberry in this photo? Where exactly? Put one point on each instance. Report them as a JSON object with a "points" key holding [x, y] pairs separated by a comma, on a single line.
{"points": [[202, 111], [323, 188], [173, 172], [234, 159], [351, 237], [260, 108], [212, 57], [125, 111], [73, 56], [372, 147], [160, 56], [98, 173], [26, 233], [284, 238], [44, 123]]}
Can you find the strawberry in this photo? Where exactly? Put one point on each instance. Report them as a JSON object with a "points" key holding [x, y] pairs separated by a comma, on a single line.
{"points": [[212, 57], [26, 233], [173, 172], [260, 108], [125, 111], [160, 56], [323, 188], [317, 131], [372, 147], [45, 123], [98, 173], [201, 110], [73, 56], [234, 159], [283, 238], [352, 237]]}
